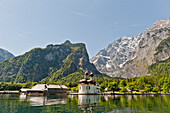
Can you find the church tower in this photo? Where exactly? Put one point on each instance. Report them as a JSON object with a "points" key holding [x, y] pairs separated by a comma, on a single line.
{"points": [[88, 86]]}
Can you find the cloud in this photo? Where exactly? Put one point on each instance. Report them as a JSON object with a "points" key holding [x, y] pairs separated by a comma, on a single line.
{"points": [[24, 34], [80, 14], [76, 12]]}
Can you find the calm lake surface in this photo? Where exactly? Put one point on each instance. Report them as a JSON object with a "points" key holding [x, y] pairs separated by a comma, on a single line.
{"points": [[85, 104]]}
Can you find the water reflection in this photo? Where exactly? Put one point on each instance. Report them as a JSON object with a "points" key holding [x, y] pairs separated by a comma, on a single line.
{"points": [[87, 102], [45, 100], [123, 103]]}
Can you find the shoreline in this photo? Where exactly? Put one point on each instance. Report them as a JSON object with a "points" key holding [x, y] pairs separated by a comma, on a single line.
{"points": [[9, 92], [17, 92], [122, 94]]}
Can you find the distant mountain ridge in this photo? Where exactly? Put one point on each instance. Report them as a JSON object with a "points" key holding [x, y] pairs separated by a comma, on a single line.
{"points": [[4, 54], [131, 56], [65, 62]]}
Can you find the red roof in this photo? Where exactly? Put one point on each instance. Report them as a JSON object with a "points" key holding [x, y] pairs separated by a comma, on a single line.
{"points": [[86, 73], [91, 82], [83, 81]]}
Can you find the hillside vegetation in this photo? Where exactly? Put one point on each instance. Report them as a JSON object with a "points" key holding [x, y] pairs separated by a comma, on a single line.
{"points": [[65, 62]]}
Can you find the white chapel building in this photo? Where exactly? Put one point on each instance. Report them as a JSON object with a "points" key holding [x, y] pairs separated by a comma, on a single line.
{"points": [[88, 86]]}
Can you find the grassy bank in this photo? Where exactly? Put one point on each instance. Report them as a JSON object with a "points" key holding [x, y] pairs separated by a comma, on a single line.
{"points": [[9, 92]]}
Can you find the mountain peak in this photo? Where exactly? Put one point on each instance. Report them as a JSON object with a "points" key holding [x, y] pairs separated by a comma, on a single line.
{"points": [[67, 42], [4, 54], [161, 24]]}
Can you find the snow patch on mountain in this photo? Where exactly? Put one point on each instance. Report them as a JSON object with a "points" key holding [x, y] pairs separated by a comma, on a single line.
{"points": [[114, 57]]}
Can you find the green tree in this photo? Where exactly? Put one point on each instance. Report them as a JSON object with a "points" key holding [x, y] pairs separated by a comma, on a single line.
{"points": [[29, 84], [122, 83], [156, 89], [113, 86], [123, 90], [75, 89], [148, 88], [166, 87], [161, 81], [131, 86], [102, 87]]}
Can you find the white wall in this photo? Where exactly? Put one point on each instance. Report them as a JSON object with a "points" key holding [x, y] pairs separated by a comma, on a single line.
{"points": [[82, 88], [86, 89]]}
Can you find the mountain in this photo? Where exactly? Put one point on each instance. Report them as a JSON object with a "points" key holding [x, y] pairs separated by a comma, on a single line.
{"points": [[4, 54], [131, 56], [65, 62], [111, 59]]}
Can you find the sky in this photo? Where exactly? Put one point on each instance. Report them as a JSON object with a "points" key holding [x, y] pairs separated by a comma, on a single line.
{"points": [[28, 24]]}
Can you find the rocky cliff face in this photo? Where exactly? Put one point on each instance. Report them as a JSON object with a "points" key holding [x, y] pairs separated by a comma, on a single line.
{"points": [[4, 54], [131, 56], [53, 63], [111, 59]]}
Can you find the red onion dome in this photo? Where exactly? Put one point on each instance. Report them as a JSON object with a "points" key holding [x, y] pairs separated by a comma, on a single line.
{"points": [[91, 74], [86, 73], [83, 81], [91, 82]]}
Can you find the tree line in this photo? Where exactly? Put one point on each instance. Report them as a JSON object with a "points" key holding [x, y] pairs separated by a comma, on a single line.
{"points": [[143, 84]]}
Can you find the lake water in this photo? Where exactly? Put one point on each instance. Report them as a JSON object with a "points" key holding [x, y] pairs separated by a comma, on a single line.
{"points": [[85, 104]]}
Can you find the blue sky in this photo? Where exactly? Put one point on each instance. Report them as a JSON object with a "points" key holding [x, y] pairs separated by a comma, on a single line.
{"points": [[26, 24]]}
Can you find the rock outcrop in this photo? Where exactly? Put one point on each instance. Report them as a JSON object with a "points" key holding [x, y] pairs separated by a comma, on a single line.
{"points": [[4, 54], [131, 56]]}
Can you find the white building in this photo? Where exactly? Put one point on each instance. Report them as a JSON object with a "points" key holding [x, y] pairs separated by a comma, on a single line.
{"points": [[88, 86], [45, 89]]}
